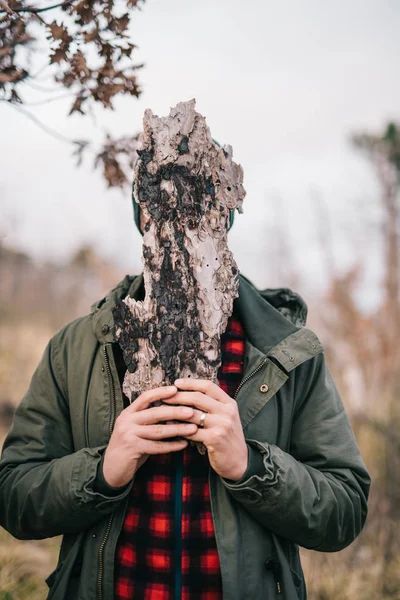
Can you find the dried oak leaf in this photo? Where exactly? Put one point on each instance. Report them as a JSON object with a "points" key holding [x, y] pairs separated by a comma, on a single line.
{"points": [[67, 79], [58, 55], [59, 32], [113, 173], [111, 90], [107, 50], [85, 11], [81, 146], [119, 25], [79, 65], [128, 50], [131, 86], [107, 70], [12, 75], [6, 51], [77, 105], [15, 98], [90, 36]]}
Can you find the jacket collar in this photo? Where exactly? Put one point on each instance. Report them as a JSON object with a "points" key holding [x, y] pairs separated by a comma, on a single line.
{"points": [[103, 320], [264, 325]]}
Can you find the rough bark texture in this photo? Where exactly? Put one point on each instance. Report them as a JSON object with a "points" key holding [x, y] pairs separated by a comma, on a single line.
{"points": [[186, 187]]}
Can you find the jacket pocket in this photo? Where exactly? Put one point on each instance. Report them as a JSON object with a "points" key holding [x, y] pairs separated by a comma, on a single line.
{"points": [[52, 578], [73, 580], [68, 570]]}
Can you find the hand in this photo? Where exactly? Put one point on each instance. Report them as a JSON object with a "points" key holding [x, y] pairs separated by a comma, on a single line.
{"points": [[222, 433], [139, 432]]}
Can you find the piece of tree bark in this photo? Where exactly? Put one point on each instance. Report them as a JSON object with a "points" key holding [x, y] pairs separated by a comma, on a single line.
{"points": [[186, 187]]}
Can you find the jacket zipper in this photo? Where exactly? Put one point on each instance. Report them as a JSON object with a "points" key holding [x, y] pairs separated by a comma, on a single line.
{"points": [[246, 379], [178, 525], [112, 419]]}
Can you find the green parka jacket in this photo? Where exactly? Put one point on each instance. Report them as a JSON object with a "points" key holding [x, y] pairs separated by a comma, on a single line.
{"points": [[311, 489]]}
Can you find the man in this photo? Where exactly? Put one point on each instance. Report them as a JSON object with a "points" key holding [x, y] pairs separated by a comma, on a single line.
{"points": [[304, 483], [143, 514]]}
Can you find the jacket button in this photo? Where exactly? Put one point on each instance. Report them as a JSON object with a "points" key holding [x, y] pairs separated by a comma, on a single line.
{"points": [[105, 329], [264, 388]]}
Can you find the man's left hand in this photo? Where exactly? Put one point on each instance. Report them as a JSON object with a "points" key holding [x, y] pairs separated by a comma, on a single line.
{"points": [[222, 432]]}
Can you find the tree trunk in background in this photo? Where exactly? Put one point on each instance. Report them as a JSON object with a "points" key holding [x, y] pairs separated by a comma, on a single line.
{"points": [[186, 187]]}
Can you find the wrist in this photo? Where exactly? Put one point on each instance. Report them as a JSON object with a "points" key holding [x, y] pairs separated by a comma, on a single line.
{"points": [[112, 474], [102, 486], [240, 469]]}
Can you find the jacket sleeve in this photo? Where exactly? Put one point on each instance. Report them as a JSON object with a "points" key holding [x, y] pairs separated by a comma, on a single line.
{"points": [[315, 494], [46, 488]]}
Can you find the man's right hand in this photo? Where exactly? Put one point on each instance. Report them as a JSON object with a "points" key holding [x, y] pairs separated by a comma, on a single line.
{"points": [[138, 433]]}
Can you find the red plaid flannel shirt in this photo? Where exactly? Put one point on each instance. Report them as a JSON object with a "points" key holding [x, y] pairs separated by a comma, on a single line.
{"points": [[146, 550]]}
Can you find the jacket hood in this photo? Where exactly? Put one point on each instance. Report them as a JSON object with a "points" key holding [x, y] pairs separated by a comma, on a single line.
{"points": [[289, 303], [268, 316]]}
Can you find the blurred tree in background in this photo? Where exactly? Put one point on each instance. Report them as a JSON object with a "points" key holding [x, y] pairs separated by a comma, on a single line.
{"points": [[362, 353], [88, 58]]}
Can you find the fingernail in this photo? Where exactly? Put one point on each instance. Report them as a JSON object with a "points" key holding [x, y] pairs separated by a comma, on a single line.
{"points": [[187, 412], [178, 381]]}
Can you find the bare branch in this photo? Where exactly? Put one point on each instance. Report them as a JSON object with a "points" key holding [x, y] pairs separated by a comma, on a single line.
{"points": [[43, 126], [6, 8], [32, 9]]}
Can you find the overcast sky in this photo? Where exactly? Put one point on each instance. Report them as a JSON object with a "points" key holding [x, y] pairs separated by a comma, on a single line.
{"points": [[284, 83]]}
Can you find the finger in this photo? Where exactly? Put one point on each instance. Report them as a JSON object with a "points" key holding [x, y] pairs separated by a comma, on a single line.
{"points": [[210, 421], [146, 398], [206, 387], [149, 416], [201, 435], [151, 447], [195, 399], [162, 432]]}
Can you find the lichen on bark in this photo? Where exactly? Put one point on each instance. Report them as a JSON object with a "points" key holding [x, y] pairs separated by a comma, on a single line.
{"points": [[186, 187]]}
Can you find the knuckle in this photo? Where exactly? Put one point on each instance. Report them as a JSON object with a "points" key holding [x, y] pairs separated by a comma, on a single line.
{"points": [[231, 409], [225, 424], [154, 411], [230, 421], [159, 431], [215, 435]]}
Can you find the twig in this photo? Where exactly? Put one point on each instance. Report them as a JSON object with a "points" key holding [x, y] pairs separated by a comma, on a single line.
{"points": [[45, 128], [49, 100], [32, 9], [40, 88], [6, 8]]}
